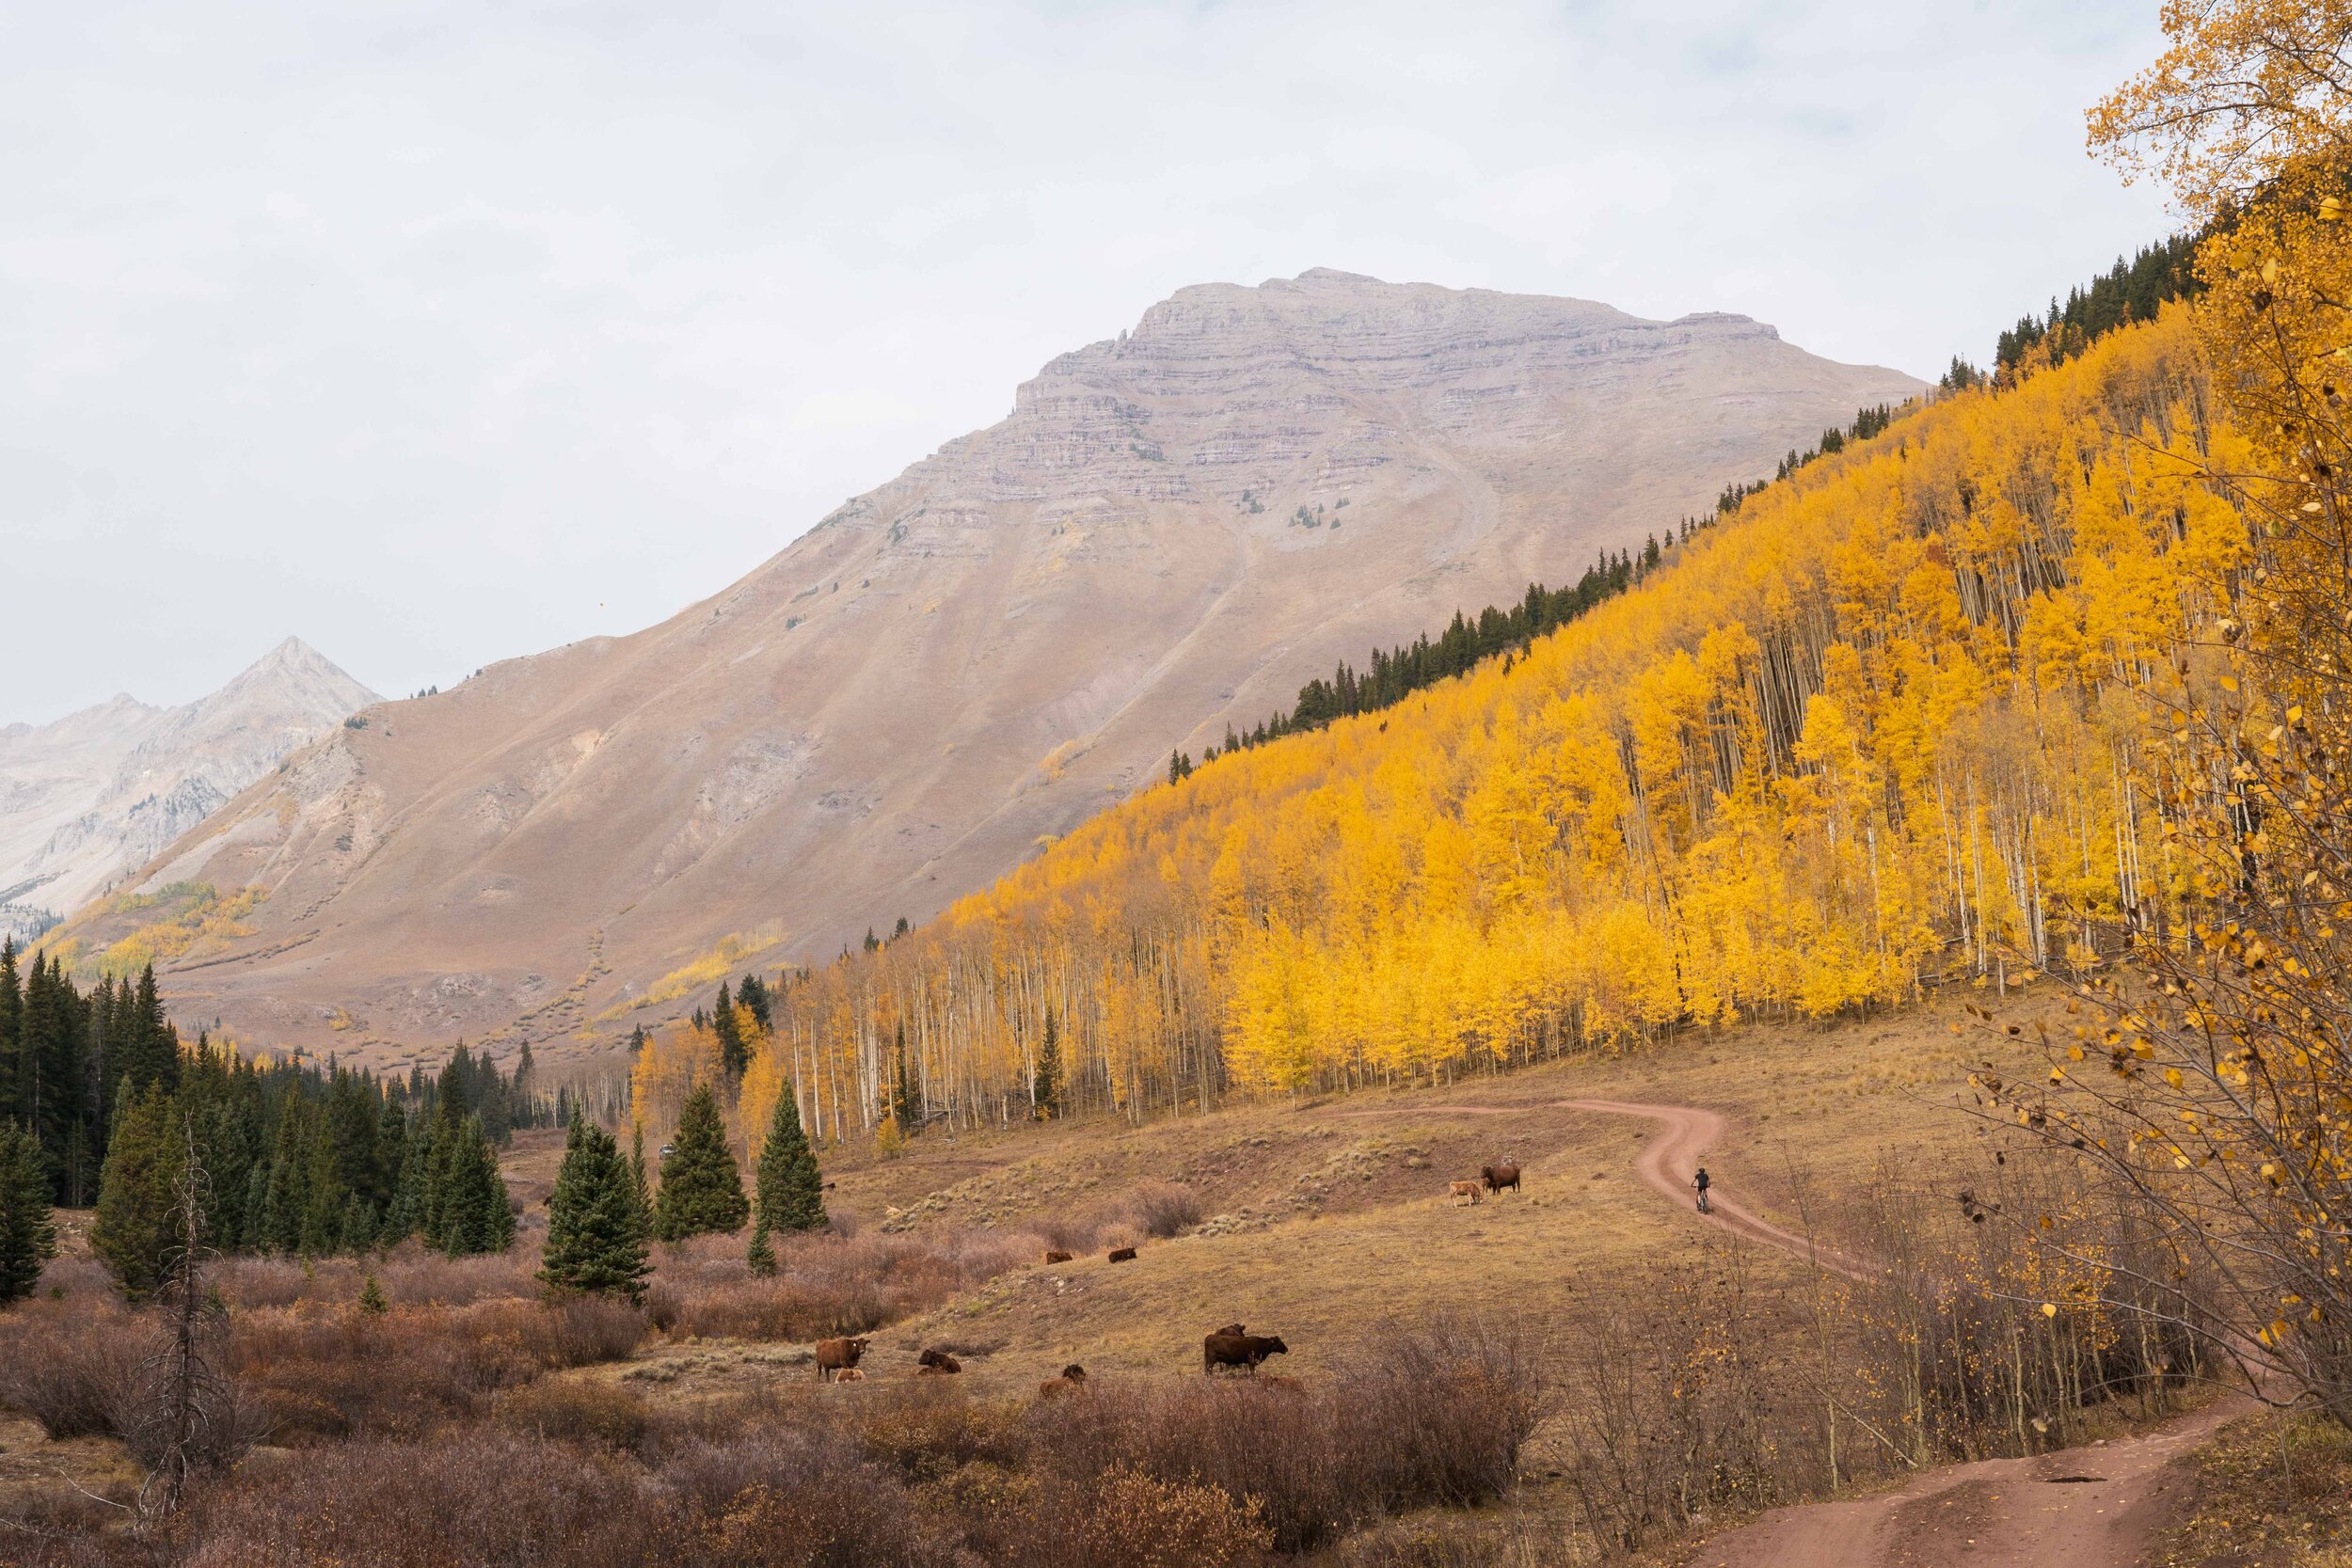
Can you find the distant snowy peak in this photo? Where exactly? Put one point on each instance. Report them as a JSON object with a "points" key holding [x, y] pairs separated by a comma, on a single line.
{"points": [[88, 797]]}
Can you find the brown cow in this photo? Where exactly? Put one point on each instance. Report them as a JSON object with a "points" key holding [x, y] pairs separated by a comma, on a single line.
{"points": [[848, 1374], [1072, 1380], [1239, 1350], [1464, 1189], [1051, 1257], [1229, 1328], [836, 1356], [1122, 1255], [1499, 1177], [937, 1363], [1284, 1385]]}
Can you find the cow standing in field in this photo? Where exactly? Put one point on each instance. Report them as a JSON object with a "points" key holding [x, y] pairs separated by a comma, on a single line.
{"points": [[1499, 1177], [1245, 1350], [1461, 1189], [836, 1356]]}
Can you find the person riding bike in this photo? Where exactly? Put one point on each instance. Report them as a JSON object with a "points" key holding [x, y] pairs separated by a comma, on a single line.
{"points": [[1701, 1182]]}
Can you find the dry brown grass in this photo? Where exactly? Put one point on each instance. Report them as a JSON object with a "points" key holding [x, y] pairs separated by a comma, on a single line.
{"points": [[1319, 1222]]}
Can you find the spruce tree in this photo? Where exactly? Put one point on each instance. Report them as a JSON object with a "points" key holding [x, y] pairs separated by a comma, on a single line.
{"points": [[12, 1108], [791, 1193], [733, 1051], [371, 1300], [1045, 1088], [641, 1186], [133, 1232], [701, 1189], [595, 1241], [474, 1213], [27, 1239], [762, 1255], [752, 996]]}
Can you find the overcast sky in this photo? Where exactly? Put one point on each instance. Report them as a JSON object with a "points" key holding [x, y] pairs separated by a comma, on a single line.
{"points": [[434, 333]]}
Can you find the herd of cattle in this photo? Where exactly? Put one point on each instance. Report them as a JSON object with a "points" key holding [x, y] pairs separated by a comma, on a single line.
{"points": [[1227, 1347]]}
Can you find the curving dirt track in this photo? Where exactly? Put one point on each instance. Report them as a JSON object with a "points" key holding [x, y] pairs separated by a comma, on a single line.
{"points": [[2097, 1507]]}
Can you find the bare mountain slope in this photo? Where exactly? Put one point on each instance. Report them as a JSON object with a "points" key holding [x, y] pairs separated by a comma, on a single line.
{"points": [[97, 792], [1171, 530]]}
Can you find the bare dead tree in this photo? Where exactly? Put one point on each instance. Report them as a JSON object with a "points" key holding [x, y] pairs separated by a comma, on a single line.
{"points": [[187, 1415]]}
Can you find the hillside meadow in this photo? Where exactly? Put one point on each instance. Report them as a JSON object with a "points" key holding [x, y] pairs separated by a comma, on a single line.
{"points": [[1460, 1385]]}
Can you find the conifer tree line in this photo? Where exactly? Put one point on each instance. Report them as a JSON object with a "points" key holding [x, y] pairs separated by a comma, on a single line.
{"points": [[97, 1093], [2133, 290], [1466, 642], [312, 1161]]}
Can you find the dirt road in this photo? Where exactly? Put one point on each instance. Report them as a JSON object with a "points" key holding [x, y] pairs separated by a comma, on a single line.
{"points": [[2097, 1507]]}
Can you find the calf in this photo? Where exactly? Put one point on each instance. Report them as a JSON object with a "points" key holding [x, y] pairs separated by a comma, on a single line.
{"points": [[1499, 1177], [937, 1363], [835, 1357], [848, 1374], [1464, 1190], [1122, 1255], [1239, 1350], [1229, 1328], [1072, 1379], [1051, 1257]]}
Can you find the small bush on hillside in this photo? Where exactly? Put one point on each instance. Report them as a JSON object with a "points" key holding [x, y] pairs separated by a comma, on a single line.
{"points": [[1164, 1209]]}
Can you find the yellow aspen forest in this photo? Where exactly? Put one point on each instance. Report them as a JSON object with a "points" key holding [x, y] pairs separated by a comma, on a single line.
{"points": [[1885, 726]]}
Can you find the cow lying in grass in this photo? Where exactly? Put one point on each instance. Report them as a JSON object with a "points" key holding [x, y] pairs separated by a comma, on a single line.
{"points": [[1072, 1380]]}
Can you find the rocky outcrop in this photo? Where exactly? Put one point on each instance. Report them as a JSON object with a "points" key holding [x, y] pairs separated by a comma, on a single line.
{"points": [[101, 792], [1171, 531]]}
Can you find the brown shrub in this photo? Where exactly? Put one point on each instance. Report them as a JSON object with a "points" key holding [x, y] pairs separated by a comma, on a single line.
{"points": [[1136, 1521], [76, 1278], [825, 1283], [403, 1373], [1150, 1212], [481, 1497], [568, 1410], [1429, 1414], [1163, 1209], [69, 1366]]}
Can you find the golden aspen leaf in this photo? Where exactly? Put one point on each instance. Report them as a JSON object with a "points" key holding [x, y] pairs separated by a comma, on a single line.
{"points": [[2049, 1309]]}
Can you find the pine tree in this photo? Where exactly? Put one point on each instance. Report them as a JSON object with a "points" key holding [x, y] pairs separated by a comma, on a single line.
{"points": [[734, 1055], [752, 996], [762, 1254], [1045, 1088], [475, 1216], [701, 1189], [132, 1232], [595, 1241], [27, 1239], [371, 1300], [12, 1108], [791, 1192], [641, 1187]]}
